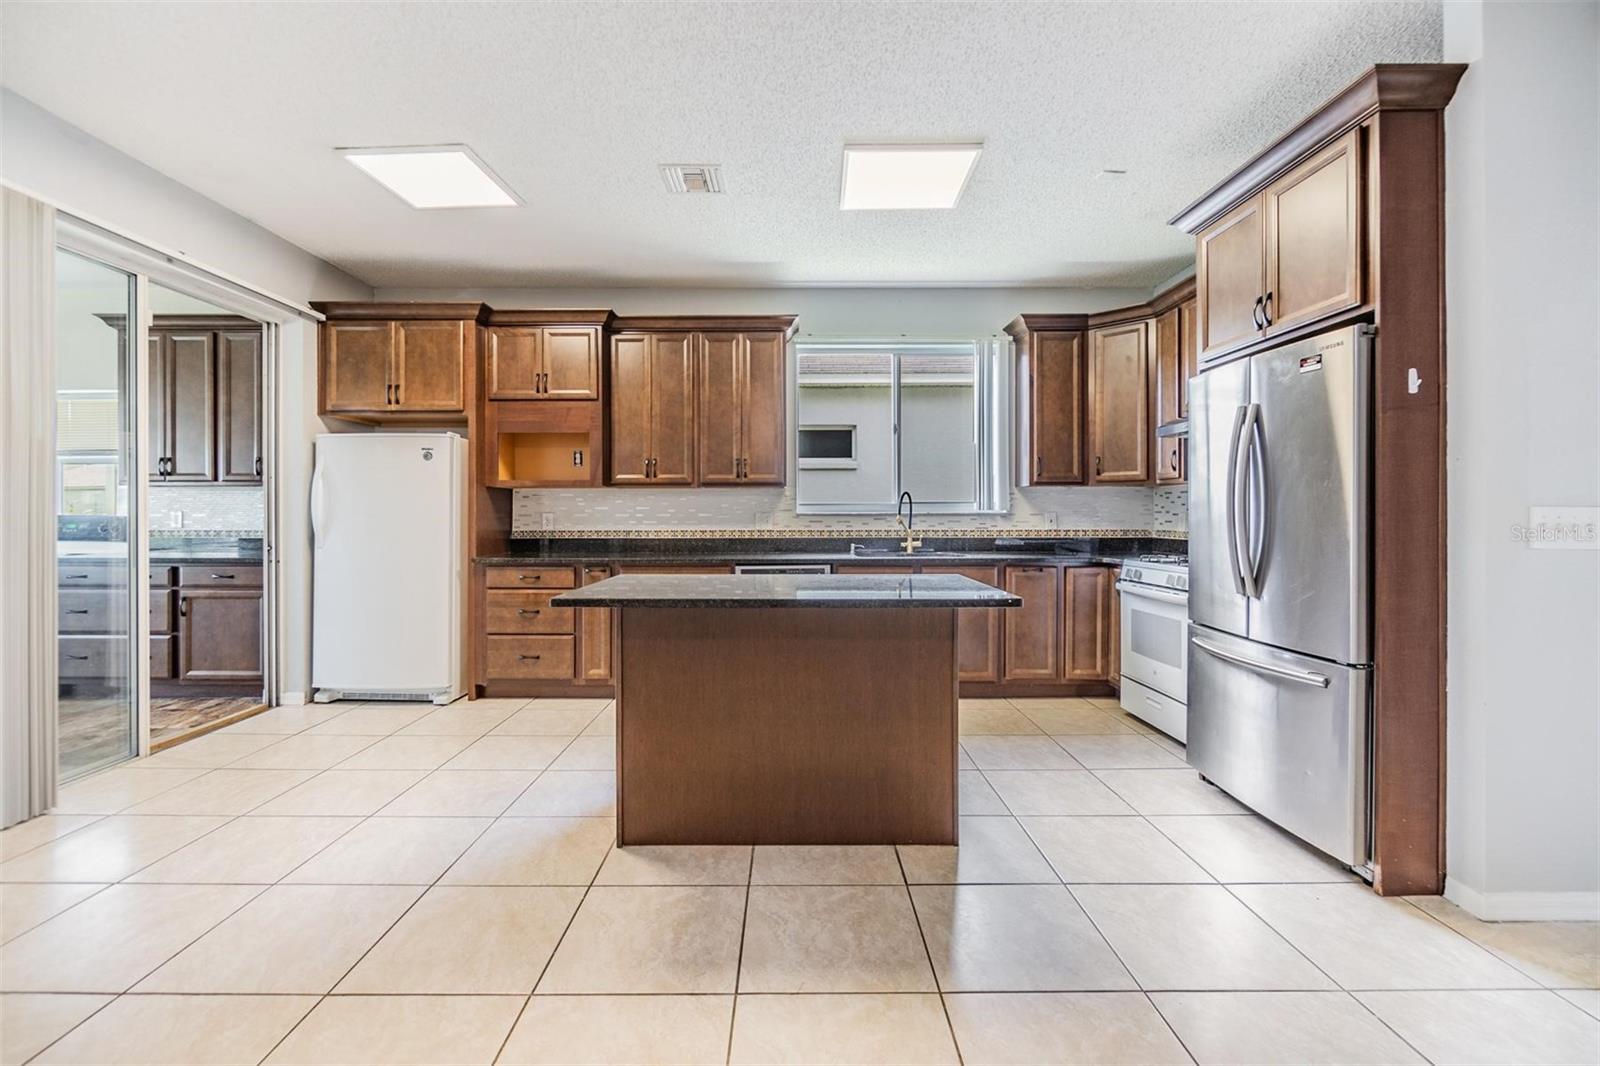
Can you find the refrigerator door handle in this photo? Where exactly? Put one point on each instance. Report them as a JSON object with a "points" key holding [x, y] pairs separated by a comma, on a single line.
{"points": [[319, 506], [1256, 508], [1235, 567], [1240, 524], [1287, 673]]}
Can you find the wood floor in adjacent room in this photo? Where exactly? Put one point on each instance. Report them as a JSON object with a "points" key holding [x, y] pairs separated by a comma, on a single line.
{"points": [[382, 883]]}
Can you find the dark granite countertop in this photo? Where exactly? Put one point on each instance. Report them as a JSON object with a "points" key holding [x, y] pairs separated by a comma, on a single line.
{"points": [[173, 552], [937, 558], [787, 590]]}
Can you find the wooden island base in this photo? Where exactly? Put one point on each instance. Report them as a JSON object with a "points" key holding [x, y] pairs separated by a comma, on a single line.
{"points": [[786, 725]]}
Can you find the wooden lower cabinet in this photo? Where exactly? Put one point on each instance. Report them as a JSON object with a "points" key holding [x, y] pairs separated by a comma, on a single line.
{"points": [[1032, 643], [1114, 630], [977, 631], [545, 658], [594, 635], [1085, 645], [219, 635], [519, 611]]}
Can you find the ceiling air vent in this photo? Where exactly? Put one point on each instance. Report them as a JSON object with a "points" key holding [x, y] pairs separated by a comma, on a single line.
{"points": [[692, 177]]}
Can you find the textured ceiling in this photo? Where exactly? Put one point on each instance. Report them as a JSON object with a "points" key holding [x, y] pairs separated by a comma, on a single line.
{"points": [[575, 104]]}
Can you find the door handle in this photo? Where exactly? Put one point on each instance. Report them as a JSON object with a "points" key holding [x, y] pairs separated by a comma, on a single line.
{"points": [[1245, 480], [319, 509], [1287, 673], [1255, 314], [1235, 568]]}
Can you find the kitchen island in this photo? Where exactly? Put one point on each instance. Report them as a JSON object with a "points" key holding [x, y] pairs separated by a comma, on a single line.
{"points": [[786, 709]]}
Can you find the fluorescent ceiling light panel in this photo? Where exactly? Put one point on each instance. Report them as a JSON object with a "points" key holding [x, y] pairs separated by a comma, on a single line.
{"points": [[891, 177], [434, 175]]}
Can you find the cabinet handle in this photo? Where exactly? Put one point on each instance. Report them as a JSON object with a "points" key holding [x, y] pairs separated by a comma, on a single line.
{"points": [[530, 577], [78, 658], [398, 387], [1038, 466], [223, 577], [1097, 466], [258, 466], [183, 606], [1266, 309], [76, 610], [1255, 313], [527, 610], [74, 577], [528, 658]]}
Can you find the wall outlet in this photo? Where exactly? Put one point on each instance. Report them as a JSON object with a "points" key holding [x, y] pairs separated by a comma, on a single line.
{"points": [[547, 520], [1052, 519], [176, 518]]}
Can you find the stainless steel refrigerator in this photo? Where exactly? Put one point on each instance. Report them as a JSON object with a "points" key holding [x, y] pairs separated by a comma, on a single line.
{"points": [[1280, 591]]}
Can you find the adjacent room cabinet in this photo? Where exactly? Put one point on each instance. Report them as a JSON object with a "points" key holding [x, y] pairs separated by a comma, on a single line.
{"points": [[1050, 399], [398, 362], [1288, 255], [698, 401], [1119, 430]]}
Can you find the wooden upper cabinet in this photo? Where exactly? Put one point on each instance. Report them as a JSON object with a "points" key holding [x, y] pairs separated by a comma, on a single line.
{"points": [[740, 409], [672, 409], [189, 373], [1188, 353], [1086, 645], [1119, 404], [357, 366], [430, 361], [1231, 278], [239, 405], [1169, 385], [718, 408], [762, 409], [514, 363], [1032, 631], [652, 409], [409, 362], [1056, 373], [629, 448], [1313, 236], [571, 363]]}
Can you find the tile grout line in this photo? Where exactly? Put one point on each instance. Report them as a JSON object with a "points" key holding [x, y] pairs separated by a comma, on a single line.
{"points": [[738, 965], [933, 971]]}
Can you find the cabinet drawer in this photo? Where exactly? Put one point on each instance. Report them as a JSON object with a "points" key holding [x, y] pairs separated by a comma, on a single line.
{"points": [[160, 577], [160, 610], [530, 577], [83, 658], [160, 658], [92, 611], [220, 576], [516, 611], [91, 575], [530, 658]]}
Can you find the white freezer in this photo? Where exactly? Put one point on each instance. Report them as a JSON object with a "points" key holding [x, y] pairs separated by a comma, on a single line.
{"points": [[388, 520]]}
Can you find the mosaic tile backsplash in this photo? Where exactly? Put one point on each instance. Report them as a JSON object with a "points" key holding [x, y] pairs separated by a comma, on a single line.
{"points": [[1170, 509], [1041, 511], [208, 508]]}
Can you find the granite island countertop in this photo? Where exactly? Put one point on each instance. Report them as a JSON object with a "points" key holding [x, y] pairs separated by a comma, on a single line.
{"points": [[787, 590]]}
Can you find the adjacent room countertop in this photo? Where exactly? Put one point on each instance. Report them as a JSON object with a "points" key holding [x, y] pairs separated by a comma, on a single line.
{"points": [[787, 590]]}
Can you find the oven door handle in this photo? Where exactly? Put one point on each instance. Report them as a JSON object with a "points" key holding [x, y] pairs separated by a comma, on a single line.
{"points": [[1150, 592]]}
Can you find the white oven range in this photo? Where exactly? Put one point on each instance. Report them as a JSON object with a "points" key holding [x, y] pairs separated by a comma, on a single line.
{"points": [[1154, 590]]}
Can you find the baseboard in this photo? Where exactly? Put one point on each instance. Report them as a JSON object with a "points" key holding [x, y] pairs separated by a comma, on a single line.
{"points": [[1524, 906], [292, 699]]}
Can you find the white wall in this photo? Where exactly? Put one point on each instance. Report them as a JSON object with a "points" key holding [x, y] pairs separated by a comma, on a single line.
{"points": [[1523, 260], [60, 164]]}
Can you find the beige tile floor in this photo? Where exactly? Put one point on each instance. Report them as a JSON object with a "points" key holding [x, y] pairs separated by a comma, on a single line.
{"points": [[383, 883]]}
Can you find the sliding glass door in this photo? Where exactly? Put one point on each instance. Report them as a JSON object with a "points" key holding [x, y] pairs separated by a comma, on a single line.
{"points": [[97, 496]]}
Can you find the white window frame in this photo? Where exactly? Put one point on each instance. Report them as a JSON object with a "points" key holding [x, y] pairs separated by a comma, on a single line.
{"points": [[849, 462], [991, 493]]}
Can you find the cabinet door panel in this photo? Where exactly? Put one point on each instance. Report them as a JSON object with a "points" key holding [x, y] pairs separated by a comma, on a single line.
{"points": [[159, 442], [719, 407], [1086, 652], [1313, 238], [239, 405], [357, 364], [629, 447], [977, 630], [1114, 628], [1169, 386], [764, 404], [219, 635], [1119, 404], [571, 362], [430, 364], [1230, 276], [191, 405], [594, 634], [513, 364], [1057, 414], [1188, 355], [672, 408], [1032, 632]]}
